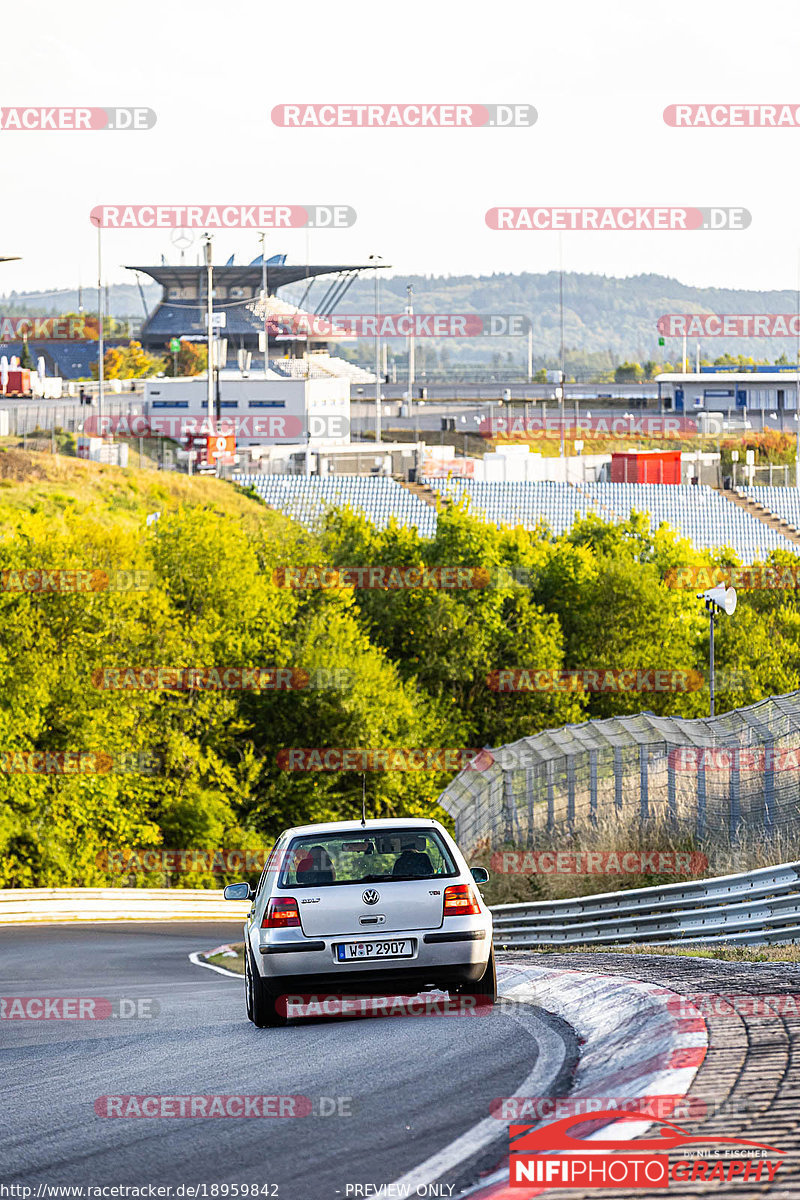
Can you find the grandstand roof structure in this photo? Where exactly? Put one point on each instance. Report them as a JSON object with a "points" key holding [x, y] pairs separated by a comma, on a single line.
{"points": [[246, 274], [237, 290]]}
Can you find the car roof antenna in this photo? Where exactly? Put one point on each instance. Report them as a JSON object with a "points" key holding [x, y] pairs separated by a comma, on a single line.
{"points": [[363, 801]]}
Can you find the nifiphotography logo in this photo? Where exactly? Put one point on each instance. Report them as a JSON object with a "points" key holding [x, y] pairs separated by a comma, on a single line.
{"points": [[551, 1155]]}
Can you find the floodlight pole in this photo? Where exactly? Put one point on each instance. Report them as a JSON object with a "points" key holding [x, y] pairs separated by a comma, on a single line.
{"points": [[210, 332], [264, 294], [100, 316], [378, 429], [411, 364], [710, 607]]}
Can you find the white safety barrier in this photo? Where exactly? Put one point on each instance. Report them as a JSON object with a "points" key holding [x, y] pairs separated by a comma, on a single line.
{"points": [[23, 906], [757, 908]]}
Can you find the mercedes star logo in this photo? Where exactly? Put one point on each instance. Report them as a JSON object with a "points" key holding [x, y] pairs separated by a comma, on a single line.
{"points": [[370, 896], [182, 238]]}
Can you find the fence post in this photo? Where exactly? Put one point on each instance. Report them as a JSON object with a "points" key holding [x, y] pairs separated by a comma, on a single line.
{"points": [[593, 786], [769, 788], [701, 795], [618, 778], [529, 777], [550, 798], [643, 782], [672, 802], [735, 796], [570, 790], [508, 806]]}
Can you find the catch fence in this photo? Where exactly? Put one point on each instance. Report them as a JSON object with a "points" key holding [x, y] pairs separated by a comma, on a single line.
{"points": [[718, 777]]}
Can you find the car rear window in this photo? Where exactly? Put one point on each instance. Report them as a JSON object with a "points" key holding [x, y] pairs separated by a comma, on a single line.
{"points": [[373, 857]]}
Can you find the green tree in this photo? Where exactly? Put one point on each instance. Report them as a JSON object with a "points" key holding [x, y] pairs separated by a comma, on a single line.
{"points": [[628, 372], [192, 359]]}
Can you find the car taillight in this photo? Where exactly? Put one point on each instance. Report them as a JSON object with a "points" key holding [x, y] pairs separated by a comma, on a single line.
{"points": [[460, 901], [281, 913]]}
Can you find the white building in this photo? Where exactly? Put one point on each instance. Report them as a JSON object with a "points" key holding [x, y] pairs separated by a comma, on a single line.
{"points": [[265, 410], [714, 389]]}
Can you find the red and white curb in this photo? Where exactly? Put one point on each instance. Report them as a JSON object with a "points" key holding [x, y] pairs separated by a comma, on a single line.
{"points": [[634, 1047]]}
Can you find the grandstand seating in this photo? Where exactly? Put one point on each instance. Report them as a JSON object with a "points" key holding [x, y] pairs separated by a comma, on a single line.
{"points": [[783, 502], [305, 498], [321, 366], [68, 359], [700, 514]]}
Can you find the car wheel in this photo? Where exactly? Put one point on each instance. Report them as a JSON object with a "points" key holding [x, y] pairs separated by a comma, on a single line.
{"points": [[260, 1002], [485, 990]]}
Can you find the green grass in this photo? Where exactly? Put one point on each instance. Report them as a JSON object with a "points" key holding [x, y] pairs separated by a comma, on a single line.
{"points": [[49, 484], [755, 954], [224, 960]]}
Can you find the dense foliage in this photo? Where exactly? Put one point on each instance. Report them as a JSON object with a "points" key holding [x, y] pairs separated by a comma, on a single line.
{"points": [[416, 662]]}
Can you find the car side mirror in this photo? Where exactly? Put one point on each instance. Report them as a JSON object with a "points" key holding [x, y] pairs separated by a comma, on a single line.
{"points": [[479, 874], [238, 891]]}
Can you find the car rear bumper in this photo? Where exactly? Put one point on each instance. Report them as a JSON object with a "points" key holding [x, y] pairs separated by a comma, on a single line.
{"points": [[457, 956]]}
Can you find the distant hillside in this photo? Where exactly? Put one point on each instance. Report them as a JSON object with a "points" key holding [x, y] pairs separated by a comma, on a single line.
{"points": [[610, 319], [602, 315], [123, 300]]}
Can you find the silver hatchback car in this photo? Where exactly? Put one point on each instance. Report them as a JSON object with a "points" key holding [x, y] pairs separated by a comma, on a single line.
{"points": [[353, 907]]}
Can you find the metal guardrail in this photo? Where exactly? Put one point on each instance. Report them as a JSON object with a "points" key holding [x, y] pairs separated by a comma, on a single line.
{"points": [[23, 906], [757, 908]]}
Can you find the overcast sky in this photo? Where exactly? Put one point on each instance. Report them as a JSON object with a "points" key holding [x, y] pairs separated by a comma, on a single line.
{"points": [[599, 75]]}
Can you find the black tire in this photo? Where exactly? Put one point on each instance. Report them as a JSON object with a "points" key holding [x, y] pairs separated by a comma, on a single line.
{"points": [[485, 990], [486, 987], [259, 1001]]}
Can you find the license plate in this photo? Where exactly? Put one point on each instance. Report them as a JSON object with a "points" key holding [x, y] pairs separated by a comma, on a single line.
{"points": [[397, 948]]}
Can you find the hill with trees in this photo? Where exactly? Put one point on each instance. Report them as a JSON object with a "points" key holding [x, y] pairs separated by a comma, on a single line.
{"points": [[90, 767]]}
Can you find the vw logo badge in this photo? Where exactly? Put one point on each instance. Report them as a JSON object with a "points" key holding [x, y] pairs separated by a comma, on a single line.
{"points": [[370, 896]]}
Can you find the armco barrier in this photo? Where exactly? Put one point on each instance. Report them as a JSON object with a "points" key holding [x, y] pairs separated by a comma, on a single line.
{"points": [[756, 908], [23, 906]]}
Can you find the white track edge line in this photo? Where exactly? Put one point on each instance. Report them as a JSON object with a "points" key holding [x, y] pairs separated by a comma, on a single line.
{"points": [[195, 958]]}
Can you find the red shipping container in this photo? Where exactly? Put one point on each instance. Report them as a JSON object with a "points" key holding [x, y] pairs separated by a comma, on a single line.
{"points": [[646, 466], [19, 382]]}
